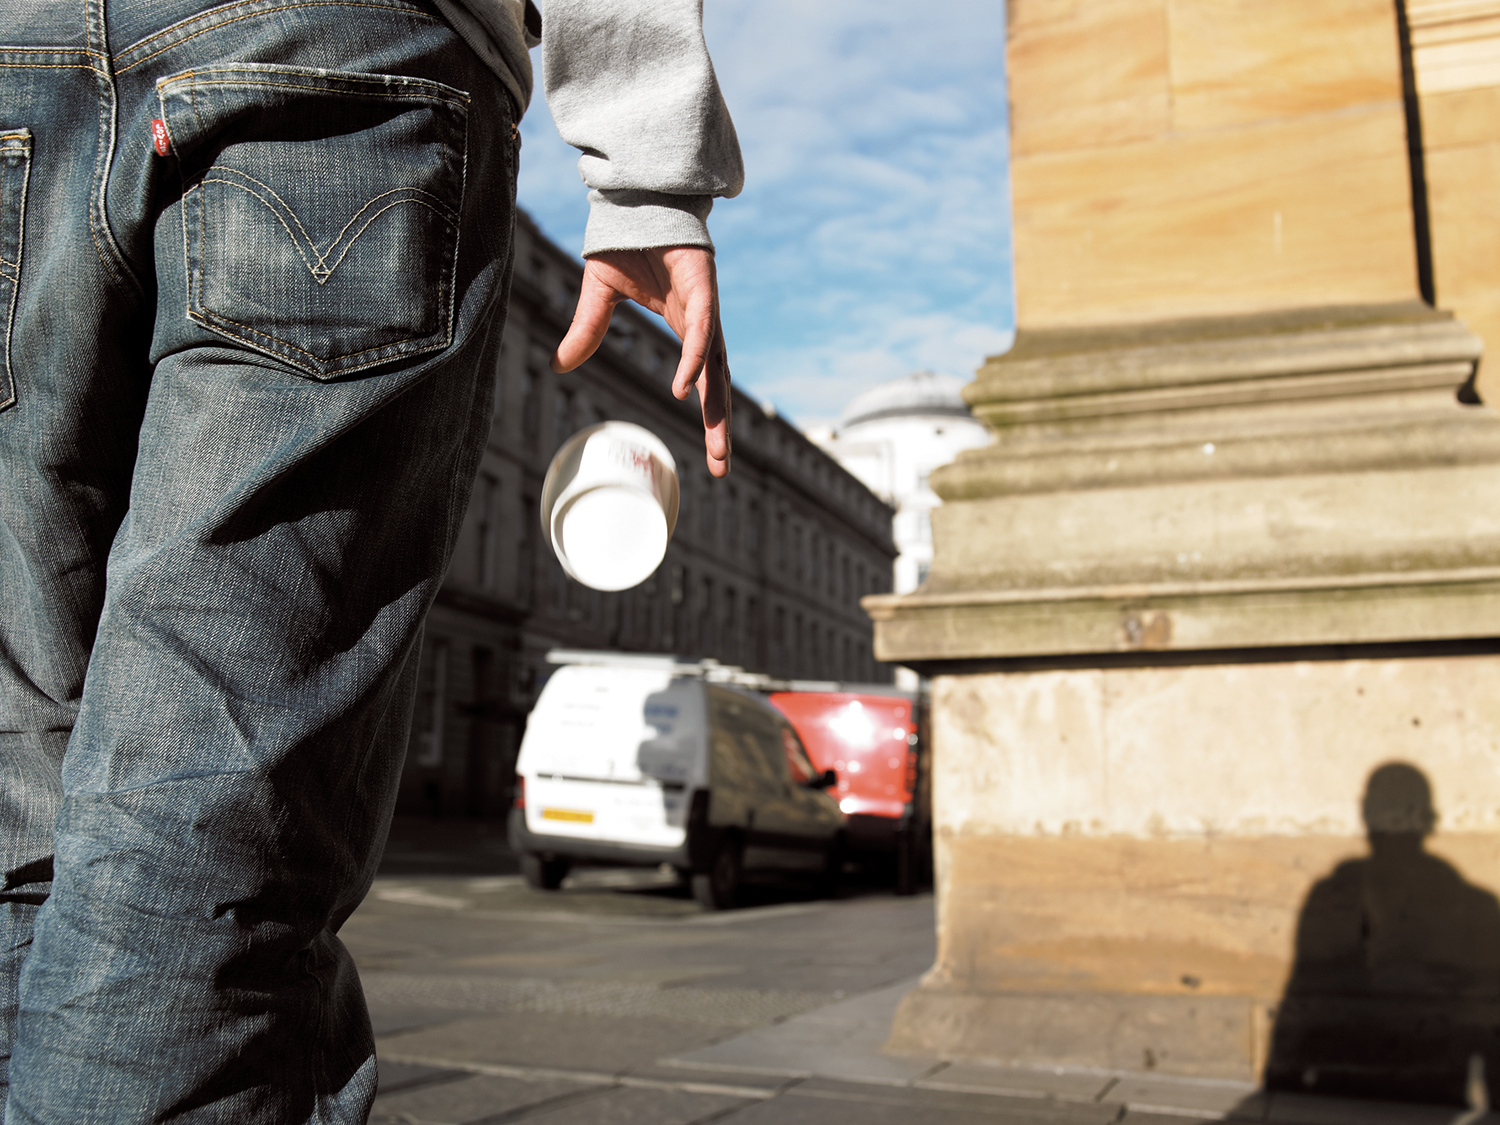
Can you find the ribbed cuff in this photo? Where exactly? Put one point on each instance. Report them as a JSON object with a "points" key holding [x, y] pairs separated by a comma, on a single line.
{"points": [[642, 220]]}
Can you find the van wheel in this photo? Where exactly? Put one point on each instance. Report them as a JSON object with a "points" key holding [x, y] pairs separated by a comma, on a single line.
{"points": [[543, 874], [719, 886]]}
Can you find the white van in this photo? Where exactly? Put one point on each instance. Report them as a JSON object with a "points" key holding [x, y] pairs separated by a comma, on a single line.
{"points": [[642, 760]]}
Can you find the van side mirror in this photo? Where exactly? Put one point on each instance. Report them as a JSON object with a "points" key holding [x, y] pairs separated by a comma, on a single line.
{"points": [[825, 780]]}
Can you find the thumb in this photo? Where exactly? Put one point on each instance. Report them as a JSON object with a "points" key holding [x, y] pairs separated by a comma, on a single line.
{"points": [[596, 304]]}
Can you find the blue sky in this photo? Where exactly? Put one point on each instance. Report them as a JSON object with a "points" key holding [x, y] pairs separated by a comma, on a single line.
{"points": [[873, 235]]}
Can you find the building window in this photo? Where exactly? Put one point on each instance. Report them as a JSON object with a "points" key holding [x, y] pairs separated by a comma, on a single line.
{"points": [[752, 530], [433, 706], [531, 408], [754, 647], [526, 552], [489, 491], [731, 645], [562, 416], [709, 511], [676, 639]]}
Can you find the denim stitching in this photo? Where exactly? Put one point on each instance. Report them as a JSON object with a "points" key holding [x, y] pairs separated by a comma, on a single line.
{"points": [[382, 94], [252, 15], [323, 271], [190, 81], [381, 353], [17, 144], [10, 58], [98, 211], [208, 318]]}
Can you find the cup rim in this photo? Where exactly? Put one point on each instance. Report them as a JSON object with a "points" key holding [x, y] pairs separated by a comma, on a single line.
{"points": [[567, 502], [571, 452]]}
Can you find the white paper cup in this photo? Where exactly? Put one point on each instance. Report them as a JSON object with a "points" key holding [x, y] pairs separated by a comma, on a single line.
{"points": [[609, 504]]}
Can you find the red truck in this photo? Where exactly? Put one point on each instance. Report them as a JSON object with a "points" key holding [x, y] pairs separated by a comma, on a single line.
{"points": [[874, 738]]}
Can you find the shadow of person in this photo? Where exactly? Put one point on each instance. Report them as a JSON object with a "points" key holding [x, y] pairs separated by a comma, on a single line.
{"points": [[1395, 989]]}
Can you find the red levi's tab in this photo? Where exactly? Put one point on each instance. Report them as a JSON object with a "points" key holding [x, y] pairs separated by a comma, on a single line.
{"points": [[159, 137]]}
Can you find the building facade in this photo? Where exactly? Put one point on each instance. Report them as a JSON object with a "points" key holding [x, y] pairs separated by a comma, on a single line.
{"points": [[892, 437], [765, 569]]}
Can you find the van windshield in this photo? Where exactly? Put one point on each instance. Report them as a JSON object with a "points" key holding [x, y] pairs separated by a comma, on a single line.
{"points": [[796, 757]]}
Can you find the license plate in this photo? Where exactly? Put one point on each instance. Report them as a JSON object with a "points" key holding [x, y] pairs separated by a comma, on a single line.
{"points": [[574, 815]]}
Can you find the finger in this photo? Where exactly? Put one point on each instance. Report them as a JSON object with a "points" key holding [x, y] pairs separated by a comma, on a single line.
{"points": [[716, 397], [697, 333], [596, 304]]}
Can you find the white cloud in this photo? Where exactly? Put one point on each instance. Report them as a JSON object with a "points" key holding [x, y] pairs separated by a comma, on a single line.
{"points": [[873, 236]]}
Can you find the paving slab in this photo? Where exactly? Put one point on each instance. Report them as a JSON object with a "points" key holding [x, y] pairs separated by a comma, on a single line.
{"points": [[392, 1076], [735, 1083], [530, 1039], [634, 1106], [1230, 1101], [825, 1102], [1310, 1109], [475, 1098], [919, 1101], [1025, 1082], [839, 1040]]}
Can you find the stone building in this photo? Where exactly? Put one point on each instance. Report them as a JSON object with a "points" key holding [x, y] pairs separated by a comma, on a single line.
{"points": [[1212, 622], [891, 437], [765, 570]]}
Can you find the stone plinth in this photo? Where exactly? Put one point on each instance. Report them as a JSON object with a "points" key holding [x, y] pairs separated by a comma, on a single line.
{"points": [[1209, 579], [1214, 622]]}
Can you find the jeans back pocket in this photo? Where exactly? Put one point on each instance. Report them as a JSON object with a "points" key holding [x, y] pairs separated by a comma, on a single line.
{"points": [[320, 210], [15, 171]]}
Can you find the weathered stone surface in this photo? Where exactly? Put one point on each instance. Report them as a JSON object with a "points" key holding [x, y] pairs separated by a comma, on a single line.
{"points": [[1180, 226], [1137, 865], [1213, 618], [1241, 61], [1297, 478], [1183, 157]]}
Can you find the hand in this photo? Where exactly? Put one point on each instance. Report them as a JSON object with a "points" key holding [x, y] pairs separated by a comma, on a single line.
{"points": [[680, 284]]}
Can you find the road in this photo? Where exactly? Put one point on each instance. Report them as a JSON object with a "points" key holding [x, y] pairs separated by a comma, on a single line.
{"points": [[485, 993], [618, 1001]]}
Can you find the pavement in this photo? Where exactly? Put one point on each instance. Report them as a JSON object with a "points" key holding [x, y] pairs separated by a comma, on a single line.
{"points": [[617, 1001]]}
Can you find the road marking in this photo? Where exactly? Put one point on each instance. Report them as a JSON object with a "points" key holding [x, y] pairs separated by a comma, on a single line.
{"points": [[415, 896], [753, 914], [591, 1077]]}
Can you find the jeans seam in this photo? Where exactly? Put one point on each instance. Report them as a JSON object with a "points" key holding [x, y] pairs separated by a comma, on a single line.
{"points": [[20, 141], [251, 15], [424, 93], [98, 209]]}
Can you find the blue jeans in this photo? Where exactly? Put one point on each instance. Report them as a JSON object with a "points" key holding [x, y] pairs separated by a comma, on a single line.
{"points": [[245, 382]]}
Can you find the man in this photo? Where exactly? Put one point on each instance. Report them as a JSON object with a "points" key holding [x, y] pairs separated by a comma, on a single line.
{"points": [[253, 267]]}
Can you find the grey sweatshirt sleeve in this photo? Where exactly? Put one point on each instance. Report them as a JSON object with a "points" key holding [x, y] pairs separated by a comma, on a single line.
{"points": [[630, 84]]}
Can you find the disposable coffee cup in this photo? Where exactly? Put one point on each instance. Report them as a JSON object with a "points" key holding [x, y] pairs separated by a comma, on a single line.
{"points": [[609, 504]]}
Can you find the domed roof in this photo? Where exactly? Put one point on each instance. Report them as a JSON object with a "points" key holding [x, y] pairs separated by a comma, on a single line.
{"points": [[922, 394]]}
